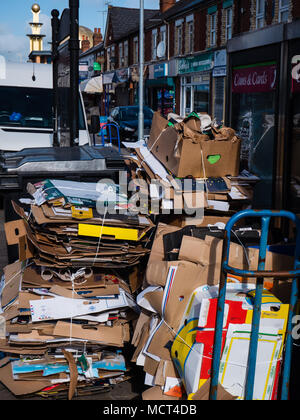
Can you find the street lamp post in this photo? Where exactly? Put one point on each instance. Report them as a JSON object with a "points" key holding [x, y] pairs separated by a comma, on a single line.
{"points": [[141, 78]]}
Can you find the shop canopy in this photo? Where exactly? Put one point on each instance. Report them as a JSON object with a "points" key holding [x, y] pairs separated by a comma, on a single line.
{"points": [[93, 85]]}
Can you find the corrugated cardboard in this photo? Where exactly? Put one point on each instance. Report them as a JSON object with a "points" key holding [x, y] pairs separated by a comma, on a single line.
{"points": [[185, 152], [20, 387], [112, 336], [203, 393], [155, 393], [13, 278], [73, 373], [14, 230]]}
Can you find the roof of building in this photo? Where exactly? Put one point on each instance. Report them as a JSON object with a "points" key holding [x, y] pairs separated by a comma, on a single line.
{"points": [[40, 53], [179, 7], [92, 50], [126, 20]]}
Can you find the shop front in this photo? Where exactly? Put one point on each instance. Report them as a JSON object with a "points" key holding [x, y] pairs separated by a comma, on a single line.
{"points": [[160, 89], [254, 85], [292, 168], [195, 83], [264, 108]]}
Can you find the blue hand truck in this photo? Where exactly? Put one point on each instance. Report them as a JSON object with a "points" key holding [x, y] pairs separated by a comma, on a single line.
{"points": [[106, 135], [260, 274]]}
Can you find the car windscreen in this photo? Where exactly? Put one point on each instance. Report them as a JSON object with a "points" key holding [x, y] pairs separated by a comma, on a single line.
{"points": [[26, 107], [132, 114], [29, 107]]}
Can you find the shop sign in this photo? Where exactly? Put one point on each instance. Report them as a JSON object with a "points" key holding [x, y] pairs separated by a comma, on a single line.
{"points": [[220, 71], [259, 78], [220, 63], [203, 62], [160, 70], [83, 70], [83, 66], [96, 66], [296, 73]]}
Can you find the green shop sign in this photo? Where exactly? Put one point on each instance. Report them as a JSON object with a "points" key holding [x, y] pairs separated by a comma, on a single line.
{"points": [[96, 66], [203, 62]]}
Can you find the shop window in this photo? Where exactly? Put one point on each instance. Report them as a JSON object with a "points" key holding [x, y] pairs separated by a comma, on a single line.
{"points": [[253, 117], [260, 14], [228, 12], [213, 25], [195, 94], [178, 37], [284, 6], [190, 34], [154, 44]]}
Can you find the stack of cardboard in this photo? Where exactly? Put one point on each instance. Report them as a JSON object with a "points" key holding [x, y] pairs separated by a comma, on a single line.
{"points": [[65, 235], [195, 163], [182, 273], [58, 333], [68, 302]]}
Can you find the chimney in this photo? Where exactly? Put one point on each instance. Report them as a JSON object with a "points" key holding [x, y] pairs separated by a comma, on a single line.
{"points": [[85, 44], [97, 37], [166, 4]]}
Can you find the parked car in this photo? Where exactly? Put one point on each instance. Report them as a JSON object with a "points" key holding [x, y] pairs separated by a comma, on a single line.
{"points": [[126, 118]]}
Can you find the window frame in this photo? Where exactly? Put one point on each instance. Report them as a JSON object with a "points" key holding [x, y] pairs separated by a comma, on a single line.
{"points": [[227, 25], [121, 54], [135, 50], [213, 29], [260, 16], [283, 9], [163, 37], [179, 36], [154, 43], [190, 31], [125, 48]]}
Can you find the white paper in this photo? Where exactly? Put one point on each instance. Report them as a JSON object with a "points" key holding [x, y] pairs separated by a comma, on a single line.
{"points": [[154, 164], [143, 302], [62, 308], [235, 194], [171, 383], [218, 205]]}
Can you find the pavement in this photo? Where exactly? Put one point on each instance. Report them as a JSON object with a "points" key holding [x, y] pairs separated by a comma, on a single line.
{"points": [[125, 391]]}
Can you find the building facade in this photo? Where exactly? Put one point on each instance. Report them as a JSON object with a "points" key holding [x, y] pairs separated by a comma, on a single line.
{"points": [[230, 58]]}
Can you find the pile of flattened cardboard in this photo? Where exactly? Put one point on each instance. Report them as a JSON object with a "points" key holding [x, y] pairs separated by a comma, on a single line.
{"points": [[195, 162], [175, 330], [59, 332], [67, 303], [66, 234]]}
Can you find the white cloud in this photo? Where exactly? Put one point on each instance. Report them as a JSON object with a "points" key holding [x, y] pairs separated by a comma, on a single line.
{"points": [[16, 47], [12, 47]]}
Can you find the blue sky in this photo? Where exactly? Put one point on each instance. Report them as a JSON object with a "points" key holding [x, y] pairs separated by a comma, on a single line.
{"points": [[15, 15]]}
